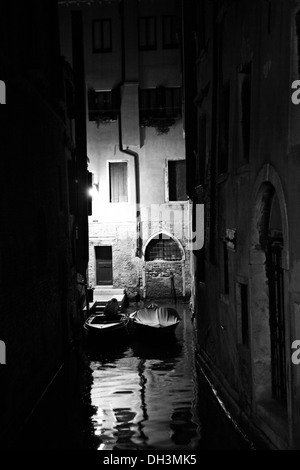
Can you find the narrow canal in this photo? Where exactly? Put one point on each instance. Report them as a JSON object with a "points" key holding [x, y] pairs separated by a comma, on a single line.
{"points": [[144, 395], [133, 396]]}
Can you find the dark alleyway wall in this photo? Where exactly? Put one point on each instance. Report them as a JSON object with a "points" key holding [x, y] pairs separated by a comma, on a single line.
{"points": [[38, 279]]}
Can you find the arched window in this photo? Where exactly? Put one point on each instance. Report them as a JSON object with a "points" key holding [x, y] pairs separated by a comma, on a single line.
{"points": [[163, 247]]}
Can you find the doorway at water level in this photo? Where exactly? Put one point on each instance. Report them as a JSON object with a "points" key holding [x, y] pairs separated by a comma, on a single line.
{"points": [[104, 266]]}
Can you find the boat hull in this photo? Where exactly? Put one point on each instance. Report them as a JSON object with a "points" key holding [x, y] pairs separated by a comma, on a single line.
{"points": [[99, 327], [145, 330]]}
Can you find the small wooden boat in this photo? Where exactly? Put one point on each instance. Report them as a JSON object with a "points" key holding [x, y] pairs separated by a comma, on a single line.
{"points": [[106, 320], [106, 326], [160, 320]]}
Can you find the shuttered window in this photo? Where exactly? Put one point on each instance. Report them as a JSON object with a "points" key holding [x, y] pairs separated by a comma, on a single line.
{"points": [[169, 32], [147, 33], [102, 38], [118, 186], [103, 105], [160, 102], [177, 183]]}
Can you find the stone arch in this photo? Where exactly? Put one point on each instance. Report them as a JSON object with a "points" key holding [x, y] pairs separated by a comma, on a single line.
{"points": [[168, 234], [267, 197], [261, 195], [180, 266]]}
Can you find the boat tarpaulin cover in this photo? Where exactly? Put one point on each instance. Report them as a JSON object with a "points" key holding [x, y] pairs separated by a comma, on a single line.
{"points": [[157, 318]]}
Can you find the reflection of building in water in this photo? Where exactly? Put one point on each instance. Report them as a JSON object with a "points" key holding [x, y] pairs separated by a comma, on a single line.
{"points": [[140, 394], [116, 396]]}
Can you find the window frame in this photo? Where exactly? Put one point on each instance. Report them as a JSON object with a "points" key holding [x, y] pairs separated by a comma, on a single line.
{"points": [[174, 42], [102, 49], [167, 182], [147, 46], [160, 108], [109, 162], [160, 238], [106, 114]]}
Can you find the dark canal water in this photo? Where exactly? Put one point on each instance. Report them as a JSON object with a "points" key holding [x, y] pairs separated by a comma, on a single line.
{"points": [[144, 394], [133, 396]]}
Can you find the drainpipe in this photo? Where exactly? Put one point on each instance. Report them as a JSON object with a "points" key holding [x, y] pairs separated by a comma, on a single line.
{"points": [[135, 156]]}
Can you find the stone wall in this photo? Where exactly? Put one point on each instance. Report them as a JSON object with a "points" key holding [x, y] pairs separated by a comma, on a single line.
{"points": [[128, 268], [158, 278]]}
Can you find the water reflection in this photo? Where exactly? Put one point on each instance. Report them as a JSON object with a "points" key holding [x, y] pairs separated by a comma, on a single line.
{"points": [[143, 393], [135, 395]]}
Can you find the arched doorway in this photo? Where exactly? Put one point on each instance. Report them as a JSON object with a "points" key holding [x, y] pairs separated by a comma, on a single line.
{"points": [[163, 266], [268, 292]]}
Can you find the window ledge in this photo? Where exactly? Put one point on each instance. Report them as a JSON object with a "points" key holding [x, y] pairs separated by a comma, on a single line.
{"points": [[177, 202], [164, 261], [120, 203]]}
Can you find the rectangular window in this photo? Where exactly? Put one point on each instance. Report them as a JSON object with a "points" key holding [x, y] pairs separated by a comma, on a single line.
{"points": [[103, 105], [147, 33], [102, 38], [118, 187], [160, 102], [176, 179], [169, 32], [172, 101]]}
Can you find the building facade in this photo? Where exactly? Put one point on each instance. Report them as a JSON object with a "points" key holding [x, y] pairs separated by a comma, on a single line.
{"points": [[43, 240], [246, 172], [136, 144]]}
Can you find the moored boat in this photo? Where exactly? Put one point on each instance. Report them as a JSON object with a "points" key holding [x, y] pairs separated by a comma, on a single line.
{"points": [[158, 320], [106, 321], [106, 326]]}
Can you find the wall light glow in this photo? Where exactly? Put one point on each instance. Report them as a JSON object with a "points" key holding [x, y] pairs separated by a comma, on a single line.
{"points": [[94, 190]]}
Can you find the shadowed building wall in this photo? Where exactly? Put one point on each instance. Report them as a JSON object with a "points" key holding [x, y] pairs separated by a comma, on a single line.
{"points": [[247, 173]]}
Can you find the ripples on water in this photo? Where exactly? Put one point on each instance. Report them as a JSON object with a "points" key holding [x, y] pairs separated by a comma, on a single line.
{"points": [[143, 395], [134, 396]]}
